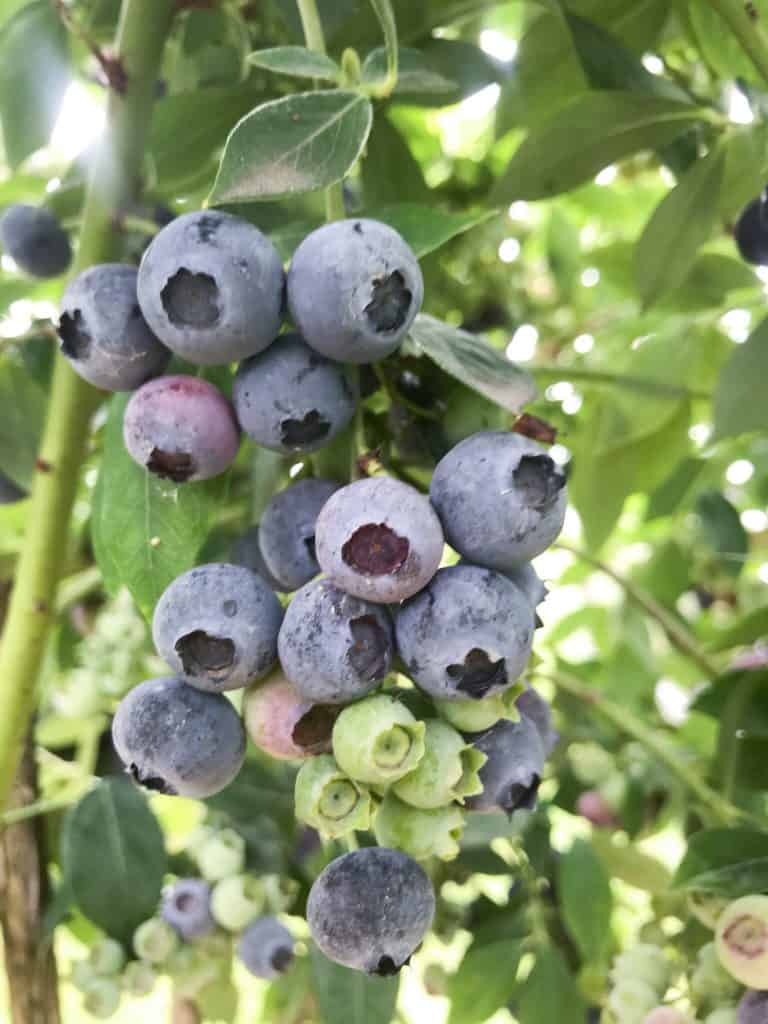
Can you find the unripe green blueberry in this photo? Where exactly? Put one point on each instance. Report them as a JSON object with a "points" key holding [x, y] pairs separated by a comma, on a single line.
{"points": [[419, 833], [138, 978], [645, 963], [82, 974], [448, 770], [591, 763], [281, 893], [107, 957], [236, 901], [378, 740], [222, 856], [631, 1000], [710, 982], [706, 908], [154, 941], [102, 998], [742, 940], [191, 971], [723, 1015], [479, 715], [329, 800]]}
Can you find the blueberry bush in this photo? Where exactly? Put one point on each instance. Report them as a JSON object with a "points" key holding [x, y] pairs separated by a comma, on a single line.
{"points": [[384, 511]]}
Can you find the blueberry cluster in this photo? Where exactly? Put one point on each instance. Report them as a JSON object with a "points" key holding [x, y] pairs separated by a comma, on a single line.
{"points": [[35, 240], [395, 681], [201, 921]]}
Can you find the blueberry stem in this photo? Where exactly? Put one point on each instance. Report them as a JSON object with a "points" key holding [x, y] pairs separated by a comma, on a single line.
{"points": [[718, 810], [677, 634], [142, 31], [748, 31]]}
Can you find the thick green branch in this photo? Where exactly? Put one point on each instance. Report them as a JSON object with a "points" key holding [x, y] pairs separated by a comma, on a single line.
{"points": [[114, 182], [748, 31]]}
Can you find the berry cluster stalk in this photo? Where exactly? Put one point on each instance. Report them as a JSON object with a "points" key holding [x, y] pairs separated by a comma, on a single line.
{"points": [[114, 182]]}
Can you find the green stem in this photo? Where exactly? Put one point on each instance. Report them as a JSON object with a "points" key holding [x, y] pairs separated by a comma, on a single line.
{"points": [[747, 30], [143, 27], [315, 40], [720, 810], [644, 385], [676, 632]]}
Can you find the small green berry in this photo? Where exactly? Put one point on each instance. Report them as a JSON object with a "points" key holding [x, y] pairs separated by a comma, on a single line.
{"points": [[591, 763], [742, 940], [154, 941], [107, 957], [281, 893], [419, 833], [448, 770], [82, 974], [236, 901], [631, 1000], [710, 982], [479, 715], [102, 998], [191, 971], [222, 856], [644, 963], [706, 908], [723, 1015], [377, 740], [329, 800], [138, 978]]}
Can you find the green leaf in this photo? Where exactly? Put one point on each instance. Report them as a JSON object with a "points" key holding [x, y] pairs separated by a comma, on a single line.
{"points": [[297, 61], [390, 172], [550, 993], [345, 996], [746, 630], [593, 131], [188, 129], [741, 399], [34, 73], [728, 862], [585, 897], [485, 981], [680, 224], [297, 144], [22, 414], [427, 228], [722, 530], [113, 857], [146, 531], [415, 74], [474, 362], [626, 862]]}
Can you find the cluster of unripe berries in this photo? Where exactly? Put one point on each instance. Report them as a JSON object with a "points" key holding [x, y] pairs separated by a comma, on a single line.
{"points": [[200, 922], [737, 957]]}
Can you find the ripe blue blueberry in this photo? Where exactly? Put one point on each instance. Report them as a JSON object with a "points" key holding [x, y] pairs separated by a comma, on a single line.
{"points": [[287, 532], [751, 232], [290, 399], [526, 577], [103, 334], [371, 909], [467, 635], [532, 706], [211, 288], [266, 948], [513, 771], [178, 740], [753, 1008], [334, 647], [354, 289], [379, 539], [35, 241], [181, 429], [501, 499], [246, 551], [217, 626], [186, 907]]}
